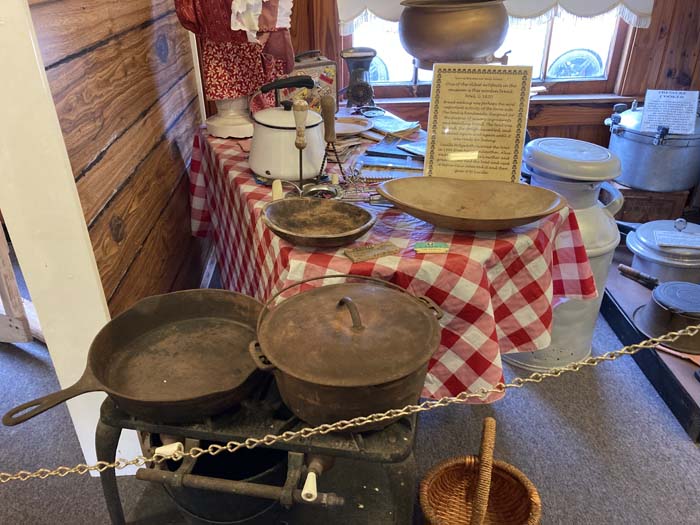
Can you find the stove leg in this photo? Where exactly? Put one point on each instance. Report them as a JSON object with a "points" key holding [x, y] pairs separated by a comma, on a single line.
{"points": [[402, 483], [106, 441]]}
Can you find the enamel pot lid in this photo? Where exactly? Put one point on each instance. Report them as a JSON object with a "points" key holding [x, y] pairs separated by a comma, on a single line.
{"points": [[349, 334]]}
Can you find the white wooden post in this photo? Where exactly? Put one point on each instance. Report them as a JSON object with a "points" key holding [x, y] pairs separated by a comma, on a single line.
{"points": [[41, 208]]}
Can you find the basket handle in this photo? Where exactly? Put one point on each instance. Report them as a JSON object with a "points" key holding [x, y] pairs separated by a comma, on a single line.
{"points": [[481, 498]]}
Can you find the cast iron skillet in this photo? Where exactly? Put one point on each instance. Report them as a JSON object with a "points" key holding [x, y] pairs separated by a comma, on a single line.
{"points": [[172, 358]]}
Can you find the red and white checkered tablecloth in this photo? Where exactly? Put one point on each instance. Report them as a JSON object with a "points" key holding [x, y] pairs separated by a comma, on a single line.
{"points": [[497, 290]]}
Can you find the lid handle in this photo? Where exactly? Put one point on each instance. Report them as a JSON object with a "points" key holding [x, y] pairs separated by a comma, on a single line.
{"points": [[680, 224], [354, 313]]}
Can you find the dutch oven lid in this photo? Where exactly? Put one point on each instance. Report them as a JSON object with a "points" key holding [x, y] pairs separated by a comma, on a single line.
{"points": [[679, 297], [349, 334], [281, 118], [631, 120], [649, 239], [571, 159]]}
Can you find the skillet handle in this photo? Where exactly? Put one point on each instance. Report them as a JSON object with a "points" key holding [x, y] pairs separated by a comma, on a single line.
{"points": [[87, 383], [432, 305], [259, 358]]}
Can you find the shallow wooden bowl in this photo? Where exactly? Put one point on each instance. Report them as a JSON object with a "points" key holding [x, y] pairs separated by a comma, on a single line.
{"points": [[471, 205], [311, 221]]}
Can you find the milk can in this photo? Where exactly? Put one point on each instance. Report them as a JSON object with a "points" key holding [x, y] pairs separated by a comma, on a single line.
{"points": [[576, 170]]}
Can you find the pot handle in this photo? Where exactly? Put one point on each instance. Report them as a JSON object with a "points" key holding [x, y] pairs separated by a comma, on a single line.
{"points": [[354, 312], [26, 411], [259, 358], [616, 197], [266, 306], [432, 305]]}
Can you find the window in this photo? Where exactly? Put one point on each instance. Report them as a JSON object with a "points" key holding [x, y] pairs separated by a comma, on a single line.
{"points": [[561, 50]]}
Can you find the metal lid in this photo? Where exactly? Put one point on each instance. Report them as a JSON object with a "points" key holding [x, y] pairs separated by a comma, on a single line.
{"points": [[279, 118], [643, 242], [349, 334], [679, 297], [631, 120], [571, 159]]}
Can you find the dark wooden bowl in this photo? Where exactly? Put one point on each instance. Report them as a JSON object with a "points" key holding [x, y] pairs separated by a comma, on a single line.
{"points": [[321, 223]]}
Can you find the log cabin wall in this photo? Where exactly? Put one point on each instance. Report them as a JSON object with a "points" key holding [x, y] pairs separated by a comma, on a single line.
{"points": [[663, 56], [122, 78]]}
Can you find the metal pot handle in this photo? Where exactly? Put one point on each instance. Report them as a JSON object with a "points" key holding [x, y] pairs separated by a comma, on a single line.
{"points": [[432, 305], [617, 200], [26, 411], [266, 306], [259, 358]]}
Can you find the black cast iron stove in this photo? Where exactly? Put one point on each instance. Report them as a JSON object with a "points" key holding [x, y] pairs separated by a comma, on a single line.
{"points": [[372, 479]]}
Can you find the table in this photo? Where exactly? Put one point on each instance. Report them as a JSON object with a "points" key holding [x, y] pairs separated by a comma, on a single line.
{"points": [[497, 289]]}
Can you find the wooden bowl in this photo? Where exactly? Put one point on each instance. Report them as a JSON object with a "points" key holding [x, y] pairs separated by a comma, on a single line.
{"points": [[311, 221], [471, 205]]}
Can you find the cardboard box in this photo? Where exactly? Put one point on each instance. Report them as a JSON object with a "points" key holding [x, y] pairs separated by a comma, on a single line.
{"points": [[644, 206], [324, 73]]}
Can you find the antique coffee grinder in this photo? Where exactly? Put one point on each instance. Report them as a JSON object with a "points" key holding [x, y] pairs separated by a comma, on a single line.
{"points": [[359, 91]]}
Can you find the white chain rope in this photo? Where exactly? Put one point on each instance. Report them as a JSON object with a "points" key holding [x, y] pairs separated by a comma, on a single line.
{"points": [[271, 439]]}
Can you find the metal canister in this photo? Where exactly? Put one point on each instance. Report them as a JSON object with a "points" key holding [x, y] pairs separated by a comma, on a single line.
{"points": [[653, 161], [576, 170]]}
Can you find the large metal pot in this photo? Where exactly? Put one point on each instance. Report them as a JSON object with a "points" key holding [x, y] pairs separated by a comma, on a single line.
{"points": [[452, 30], [666, 263], [346, 350], [653, 161], [673, 306]]}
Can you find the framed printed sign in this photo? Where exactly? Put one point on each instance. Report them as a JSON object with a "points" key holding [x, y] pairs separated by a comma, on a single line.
{"points": [[478, 116]]}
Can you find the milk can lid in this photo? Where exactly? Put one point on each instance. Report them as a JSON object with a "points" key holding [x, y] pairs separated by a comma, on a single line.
{"points": [[571, 159]]}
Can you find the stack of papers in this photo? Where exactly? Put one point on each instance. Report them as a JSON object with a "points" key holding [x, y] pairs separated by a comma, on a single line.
{"points": [[392, 125]]}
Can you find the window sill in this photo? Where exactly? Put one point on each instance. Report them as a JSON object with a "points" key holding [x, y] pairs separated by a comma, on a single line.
{"points": [[603, 98]]}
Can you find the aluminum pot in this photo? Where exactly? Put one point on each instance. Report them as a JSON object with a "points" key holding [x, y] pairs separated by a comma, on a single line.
{"points": [[654, 257], [653, 161], [673, 306], [346, 350], [452, 30]]}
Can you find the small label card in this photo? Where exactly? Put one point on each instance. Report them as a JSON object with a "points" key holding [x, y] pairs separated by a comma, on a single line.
{"points": [[676, 110], [476, 127], [667, 239]]}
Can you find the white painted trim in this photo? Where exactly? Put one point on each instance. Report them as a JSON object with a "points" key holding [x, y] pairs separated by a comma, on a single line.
{"points": [[198, 78], [42, 212]]}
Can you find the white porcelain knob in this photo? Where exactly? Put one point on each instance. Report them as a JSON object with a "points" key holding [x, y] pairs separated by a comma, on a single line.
{"points": [[309, 492]]}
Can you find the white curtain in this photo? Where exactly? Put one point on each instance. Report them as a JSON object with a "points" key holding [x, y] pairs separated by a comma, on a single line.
{"points": [[635, 12]]}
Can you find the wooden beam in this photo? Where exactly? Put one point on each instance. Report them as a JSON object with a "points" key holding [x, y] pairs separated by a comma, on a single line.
{"points": [[63, 23], [100, 95], [118, 234], [155, 267], [126, 154]]}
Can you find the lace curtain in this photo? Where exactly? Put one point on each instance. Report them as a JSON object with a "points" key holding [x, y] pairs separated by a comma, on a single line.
{"points": [[635, 12]]}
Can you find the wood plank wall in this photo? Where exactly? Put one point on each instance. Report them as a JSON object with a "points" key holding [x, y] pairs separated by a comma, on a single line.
{"points": [[122, 79], [663, 56]]}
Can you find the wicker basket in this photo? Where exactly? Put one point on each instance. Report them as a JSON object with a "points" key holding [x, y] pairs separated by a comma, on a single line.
{"points": [[477, 490]]}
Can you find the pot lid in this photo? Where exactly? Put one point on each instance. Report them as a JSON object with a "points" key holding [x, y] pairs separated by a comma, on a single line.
{"points": [[571, 159], [667, 242], [679, 297], [631, 120], [349, 334], [284, 119]]}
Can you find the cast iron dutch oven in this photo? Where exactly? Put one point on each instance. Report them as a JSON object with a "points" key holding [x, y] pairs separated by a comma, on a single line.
{"points": [[347, 350], [172, 358]]}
